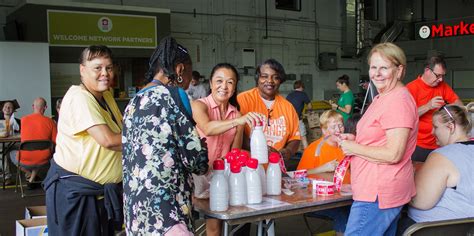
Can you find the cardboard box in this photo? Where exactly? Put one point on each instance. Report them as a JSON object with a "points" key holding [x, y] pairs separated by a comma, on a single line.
{"points": [[33, 212], [314, 134], [32, 227], [313, 119]]}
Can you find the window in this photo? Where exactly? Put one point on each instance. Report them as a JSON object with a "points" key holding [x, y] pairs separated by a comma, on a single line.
{"points": [[292, 5]]}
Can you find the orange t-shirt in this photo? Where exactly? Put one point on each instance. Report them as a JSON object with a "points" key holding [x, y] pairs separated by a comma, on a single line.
{"points": [[327, 153], [422, 94], [282, 120], [37, 127]]}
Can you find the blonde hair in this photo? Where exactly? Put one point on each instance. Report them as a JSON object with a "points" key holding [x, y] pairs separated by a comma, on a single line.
{"points": [[391, 52], [327, 115], [458, 115]]}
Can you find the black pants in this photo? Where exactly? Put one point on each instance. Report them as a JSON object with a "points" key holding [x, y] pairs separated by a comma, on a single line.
{"points": [[403, 224]]}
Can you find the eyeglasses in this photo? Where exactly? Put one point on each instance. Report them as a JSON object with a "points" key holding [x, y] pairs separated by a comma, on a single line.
{"points": [[336, 127], [438, 76]]}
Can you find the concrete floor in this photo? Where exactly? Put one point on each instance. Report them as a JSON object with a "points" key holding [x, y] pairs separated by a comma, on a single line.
{"points": [[12, 207]]}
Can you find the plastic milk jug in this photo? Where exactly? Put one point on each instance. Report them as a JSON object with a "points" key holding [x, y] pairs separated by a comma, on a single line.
{"points": [[274, 175], [219, 190], [254, 186], [229, 158], [258, 144], [237, 185]]}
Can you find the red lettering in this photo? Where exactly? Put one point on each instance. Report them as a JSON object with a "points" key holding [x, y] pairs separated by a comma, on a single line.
{"points": [[437, 30], [463, 28], [448, 31], [456, 27], [471, 28]]}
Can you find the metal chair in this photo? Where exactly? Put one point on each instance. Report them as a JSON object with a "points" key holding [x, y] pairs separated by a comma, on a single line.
{"points": [[464, 226], [31, 145]]}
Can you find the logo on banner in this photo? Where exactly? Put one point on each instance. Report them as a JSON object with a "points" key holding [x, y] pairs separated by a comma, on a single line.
{"points": [[444, 30], [424, 32], [104, 24]]}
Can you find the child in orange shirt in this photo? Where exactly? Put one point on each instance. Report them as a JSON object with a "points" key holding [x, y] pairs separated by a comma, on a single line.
{"points": [[323, 155]]}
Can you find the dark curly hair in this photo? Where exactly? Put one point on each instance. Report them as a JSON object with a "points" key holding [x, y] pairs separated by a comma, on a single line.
{"points": [[274, 65]]}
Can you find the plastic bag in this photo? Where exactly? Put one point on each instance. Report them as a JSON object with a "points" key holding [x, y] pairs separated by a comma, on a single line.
{"points": [[3, 129], [202, 185]]}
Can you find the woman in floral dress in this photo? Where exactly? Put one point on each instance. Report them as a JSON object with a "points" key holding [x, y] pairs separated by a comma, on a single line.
{"points": [[161, 148]]}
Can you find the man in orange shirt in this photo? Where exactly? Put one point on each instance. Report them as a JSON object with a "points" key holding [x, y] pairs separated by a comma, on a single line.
{"points": [[35, 126], [430, 93]]}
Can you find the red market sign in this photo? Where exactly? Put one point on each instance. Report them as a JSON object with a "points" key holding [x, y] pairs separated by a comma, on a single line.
{"points": [[446, 30]]}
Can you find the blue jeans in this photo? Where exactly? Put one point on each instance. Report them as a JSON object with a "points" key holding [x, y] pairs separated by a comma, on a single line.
{"points": [[366, 218]]}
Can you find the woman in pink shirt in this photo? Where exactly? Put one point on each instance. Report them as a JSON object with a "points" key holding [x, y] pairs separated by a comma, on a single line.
{"points": [[381, 169], [219, 120]]}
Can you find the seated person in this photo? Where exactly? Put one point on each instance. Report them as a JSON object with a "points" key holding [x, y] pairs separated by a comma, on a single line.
{"points": [[35, 126], [8, 114], [322, 156], [445, 182]]}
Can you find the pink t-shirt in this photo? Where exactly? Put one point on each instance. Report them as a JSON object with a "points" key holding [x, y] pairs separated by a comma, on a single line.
{"points": [[218, 145], [394, 184]]}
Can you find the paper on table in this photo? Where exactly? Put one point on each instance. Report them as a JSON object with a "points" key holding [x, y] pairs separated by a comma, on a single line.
{"points": [[268, 203]]}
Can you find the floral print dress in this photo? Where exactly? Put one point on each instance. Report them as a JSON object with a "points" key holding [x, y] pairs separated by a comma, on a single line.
{"points": [[161, 149]]}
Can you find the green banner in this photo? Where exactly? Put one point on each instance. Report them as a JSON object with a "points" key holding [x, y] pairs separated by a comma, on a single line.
{"points": [[71, 28]]}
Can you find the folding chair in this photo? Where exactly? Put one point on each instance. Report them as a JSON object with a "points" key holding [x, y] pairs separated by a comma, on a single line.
{"points": [[464, 226], [31, 145]]}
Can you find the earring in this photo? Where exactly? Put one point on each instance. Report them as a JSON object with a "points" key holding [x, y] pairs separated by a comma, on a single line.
{"points": [[179, 79]]}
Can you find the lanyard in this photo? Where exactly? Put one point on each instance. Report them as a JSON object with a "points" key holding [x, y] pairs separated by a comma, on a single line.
{"points": [[103, 104]]}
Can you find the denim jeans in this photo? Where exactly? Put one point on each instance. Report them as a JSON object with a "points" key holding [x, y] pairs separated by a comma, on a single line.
{"points": [[366, 218]]}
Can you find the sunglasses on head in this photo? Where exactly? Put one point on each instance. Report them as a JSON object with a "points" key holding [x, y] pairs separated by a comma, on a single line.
{"points": [[269, 116], [451, 117]]}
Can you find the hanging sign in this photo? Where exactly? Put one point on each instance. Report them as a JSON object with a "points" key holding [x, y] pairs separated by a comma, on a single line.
{"points": [[446, 28], [74, 28]]}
